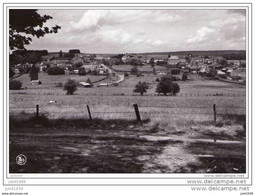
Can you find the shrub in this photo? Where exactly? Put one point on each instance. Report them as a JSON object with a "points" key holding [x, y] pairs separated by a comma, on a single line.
{"points": [[126, 74], [157, 80], [15, 85], [56, 70], [70, 86]]}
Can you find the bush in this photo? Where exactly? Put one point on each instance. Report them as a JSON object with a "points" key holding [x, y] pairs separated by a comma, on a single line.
{"points": [[134, 70], [56, 70], [126, 74], [82, 71], [15, 85], [184, 77], [70, 86]]}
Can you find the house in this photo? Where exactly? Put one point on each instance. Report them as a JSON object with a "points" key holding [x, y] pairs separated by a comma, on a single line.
{"points": [[174, 60], [234, 62], [103, 85], [89, 67], [84, 84]]}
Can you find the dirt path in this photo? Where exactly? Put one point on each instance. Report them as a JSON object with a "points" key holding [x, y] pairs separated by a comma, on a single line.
{"points": [[104, 151]]}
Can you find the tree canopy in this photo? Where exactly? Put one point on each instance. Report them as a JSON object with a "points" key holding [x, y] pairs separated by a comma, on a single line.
{"points": [[166, 86], [24, 23], [141, 88]]}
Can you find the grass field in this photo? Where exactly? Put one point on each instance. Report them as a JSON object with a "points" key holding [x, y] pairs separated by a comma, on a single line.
{"points": [[146, 68], [188, 116]]}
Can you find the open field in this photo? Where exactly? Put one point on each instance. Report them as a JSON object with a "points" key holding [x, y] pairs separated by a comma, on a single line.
{"points": [[181, 127], [146, 68]]}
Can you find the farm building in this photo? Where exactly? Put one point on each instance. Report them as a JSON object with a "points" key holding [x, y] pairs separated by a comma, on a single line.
{"points": [[84, 84], [89, 67], [174, 60]]}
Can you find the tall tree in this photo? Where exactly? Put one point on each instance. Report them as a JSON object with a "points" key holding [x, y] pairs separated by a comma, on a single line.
{"points": [[24, 23], [60, 54]]}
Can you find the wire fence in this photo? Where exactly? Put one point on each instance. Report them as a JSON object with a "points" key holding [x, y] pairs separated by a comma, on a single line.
{"points": [[144, 112]]}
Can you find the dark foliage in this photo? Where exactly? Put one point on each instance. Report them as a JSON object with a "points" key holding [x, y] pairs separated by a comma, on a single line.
{"points": [[11, 73], [184, 77], [15, 85], [235, 56], [56, 70], [82, 71], [166, 86], [70, 86], [134, 70], [29, 22], [141, 88]]}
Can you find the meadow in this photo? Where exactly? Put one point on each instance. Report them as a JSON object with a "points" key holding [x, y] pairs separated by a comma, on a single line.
{"points": [[193, 105], [172, 137]]}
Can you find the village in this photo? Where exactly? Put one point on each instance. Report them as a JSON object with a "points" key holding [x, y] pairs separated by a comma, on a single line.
{"points": [[75, 62]]}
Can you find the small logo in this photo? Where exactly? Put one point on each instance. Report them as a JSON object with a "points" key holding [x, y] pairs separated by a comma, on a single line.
{"points": [[21, 159]]}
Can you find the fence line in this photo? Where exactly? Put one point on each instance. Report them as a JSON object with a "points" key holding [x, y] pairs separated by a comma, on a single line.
{"points": [[87, 112]]}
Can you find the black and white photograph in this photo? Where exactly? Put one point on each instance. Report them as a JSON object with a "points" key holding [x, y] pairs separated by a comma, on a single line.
{"points": [[143, 91]]}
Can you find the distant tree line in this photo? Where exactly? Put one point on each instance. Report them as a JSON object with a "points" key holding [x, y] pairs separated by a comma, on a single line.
{"points": [[235, 56]]}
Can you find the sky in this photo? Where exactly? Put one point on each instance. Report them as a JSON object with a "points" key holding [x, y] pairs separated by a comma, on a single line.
{"points": [[127, 31]]}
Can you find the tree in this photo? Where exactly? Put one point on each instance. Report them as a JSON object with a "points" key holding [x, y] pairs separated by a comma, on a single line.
{"points": [[15, 85], [82, 71], [166, 86], [175, 88], [60, 54], [56, 70], [184, 77], [11, 73], [152, 62], [141, 88], [134, 70], [224, 62], [24, 23], [70, 86]]}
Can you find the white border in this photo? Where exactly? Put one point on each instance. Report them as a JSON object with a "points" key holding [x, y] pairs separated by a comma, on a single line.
{"points": [[120, 179]]}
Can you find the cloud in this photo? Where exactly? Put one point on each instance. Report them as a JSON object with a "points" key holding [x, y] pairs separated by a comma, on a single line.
{"points": [[122, 31], [202, 35], [94, 19], [228, 31]]}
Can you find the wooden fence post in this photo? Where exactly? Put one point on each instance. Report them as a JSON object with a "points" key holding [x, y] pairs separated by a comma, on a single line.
{"points": [[214, 112], [37, 111], [90, 117], [137, 112]]}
